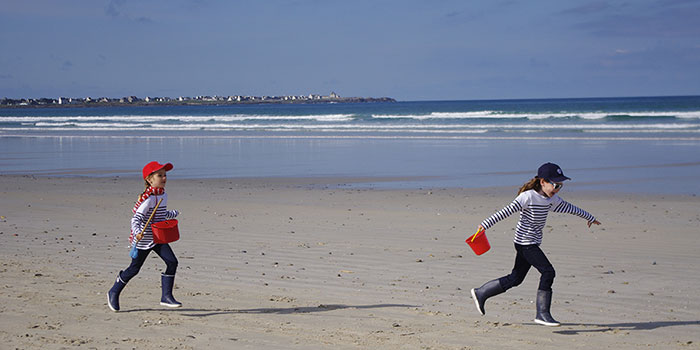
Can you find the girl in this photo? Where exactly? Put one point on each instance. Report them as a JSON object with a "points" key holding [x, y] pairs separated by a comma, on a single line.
{"points": [[535, 199], [155, 177]]}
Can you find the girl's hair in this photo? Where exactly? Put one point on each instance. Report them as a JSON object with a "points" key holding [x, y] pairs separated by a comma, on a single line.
{"points": [[532, 184], [147, 184]]}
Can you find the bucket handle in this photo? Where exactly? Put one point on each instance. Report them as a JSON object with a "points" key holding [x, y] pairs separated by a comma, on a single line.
{"points": [[481, 229], [149, 220]]}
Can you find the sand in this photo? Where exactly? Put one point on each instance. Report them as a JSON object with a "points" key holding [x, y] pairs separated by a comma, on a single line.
{"points": [[317, 264]]}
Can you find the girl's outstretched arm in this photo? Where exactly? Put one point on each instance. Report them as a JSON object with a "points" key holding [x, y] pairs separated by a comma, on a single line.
{"points": [[593, 222], [566, 207], [511, 208]]}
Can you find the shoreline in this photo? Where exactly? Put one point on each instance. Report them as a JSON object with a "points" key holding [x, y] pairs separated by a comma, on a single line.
{"points": [[184, 135], [350, 183]]}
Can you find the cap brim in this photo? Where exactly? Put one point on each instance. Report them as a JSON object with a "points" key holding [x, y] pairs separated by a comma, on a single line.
{"points": [[167, 167], [559, 179]]}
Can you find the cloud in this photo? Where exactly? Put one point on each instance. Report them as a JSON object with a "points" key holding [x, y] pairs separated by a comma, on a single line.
{"points": [[6, 76], [653, 21], [464, 16], [67, 65], [144, 20], [667, 57], [666, 3], [590, 8], [113, 7], [473, 12]]}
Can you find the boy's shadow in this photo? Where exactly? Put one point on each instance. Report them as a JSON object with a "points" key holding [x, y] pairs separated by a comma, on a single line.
{"points": [[282, 311], [632, 326]]}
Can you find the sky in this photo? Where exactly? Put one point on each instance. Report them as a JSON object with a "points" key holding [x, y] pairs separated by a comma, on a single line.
{"points": [[408, 49]]}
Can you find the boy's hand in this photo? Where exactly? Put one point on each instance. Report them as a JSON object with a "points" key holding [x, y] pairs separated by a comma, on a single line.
{"points": [[593, 222]]}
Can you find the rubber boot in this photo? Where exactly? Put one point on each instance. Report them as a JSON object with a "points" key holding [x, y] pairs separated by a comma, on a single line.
{"points": [[167, 282], [113, 294], [544, 317], [484, 292]]}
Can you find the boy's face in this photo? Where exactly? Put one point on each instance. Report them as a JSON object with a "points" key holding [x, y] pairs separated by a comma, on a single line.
{"points": [[158, 178]]}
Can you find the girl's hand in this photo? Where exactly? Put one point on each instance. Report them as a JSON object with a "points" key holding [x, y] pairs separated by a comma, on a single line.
{"points": [[593, 222], [480, 228], [139, 236]]}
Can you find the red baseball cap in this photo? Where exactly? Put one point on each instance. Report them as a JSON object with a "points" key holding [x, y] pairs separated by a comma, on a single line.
{"points": [[155, 166]]}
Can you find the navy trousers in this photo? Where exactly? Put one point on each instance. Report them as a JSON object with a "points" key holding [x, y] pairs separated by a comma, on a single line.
{"points": [[165, 253], [526, 257]]}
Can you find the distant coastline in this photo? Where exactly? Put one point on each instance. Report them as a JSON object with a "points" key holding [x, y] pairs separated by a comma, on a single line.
{"points": [[183, 101]]}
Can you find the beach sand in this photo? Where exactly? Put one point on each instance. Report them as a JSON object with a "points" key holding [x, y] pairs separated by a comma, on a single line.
{"points": [[315, 264]]}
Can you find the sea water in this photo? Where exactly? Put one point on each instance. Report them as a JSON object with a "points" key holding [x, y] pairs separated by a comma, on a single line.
{"points": [[649, 144]]}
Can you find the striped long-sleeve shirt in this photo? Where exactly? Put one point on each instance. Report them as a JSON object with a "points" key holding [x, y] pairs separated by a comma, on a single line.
{"points": [[143, 213], [533, 208]]}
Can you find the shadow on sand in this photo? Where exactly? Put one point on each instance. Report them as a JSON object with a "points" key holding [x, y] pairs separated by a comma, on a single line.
{"points": [[290, 310], [632, 326]]}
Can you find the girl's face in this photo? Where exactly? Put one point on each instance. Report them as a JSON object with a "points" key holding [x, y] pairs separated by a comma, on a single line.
{"points": [[549, 189], [158, 178]]}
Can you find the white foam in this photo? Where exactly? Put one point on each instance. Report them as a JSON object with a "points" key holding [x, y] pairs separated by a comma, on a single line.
{"points": [[339, 118], [535, 116]]}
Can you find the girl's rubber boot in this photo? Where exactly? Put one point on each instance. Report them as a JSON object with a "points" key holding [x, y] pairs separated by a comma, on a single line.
{"points": [[167, 282], [484, 292], [544, 301], [113, 294]]}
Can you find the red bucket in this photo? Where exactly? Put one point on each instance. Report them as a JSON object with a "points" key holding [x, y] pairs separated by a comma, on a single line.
{"points": [[479, 243], [165, 231]]}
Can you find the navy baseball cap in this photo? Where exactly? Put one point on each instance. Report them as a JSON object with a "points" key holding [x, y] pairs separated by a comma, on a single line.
{"points": [[551, 172]]}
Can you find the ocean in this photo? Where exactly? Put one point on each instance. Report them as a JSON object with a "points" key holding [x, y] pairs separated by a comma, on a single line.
{"points": [[646, 144]]}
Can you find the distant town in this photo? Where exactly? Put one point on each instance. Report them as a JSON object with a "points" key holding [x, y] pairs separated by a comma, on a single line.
{"points": [[198, 100]]}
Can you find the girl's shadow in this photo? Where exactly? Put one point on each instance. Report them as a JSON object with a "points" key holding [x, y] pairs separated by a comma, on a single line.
{"points": [[639, 326], [290, 310]]}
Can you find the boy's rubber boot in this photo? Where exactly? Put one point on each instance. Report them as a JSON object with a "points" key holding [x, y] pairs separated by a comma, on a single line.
{"points": [[484, 292], [544, 317], [113, 294], [167, 282]]}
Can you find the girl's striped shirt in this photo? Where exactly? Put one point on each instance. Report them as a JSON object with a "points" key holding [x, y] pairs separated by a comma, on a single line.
{"points": [[143, 213], [533, 208]]}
